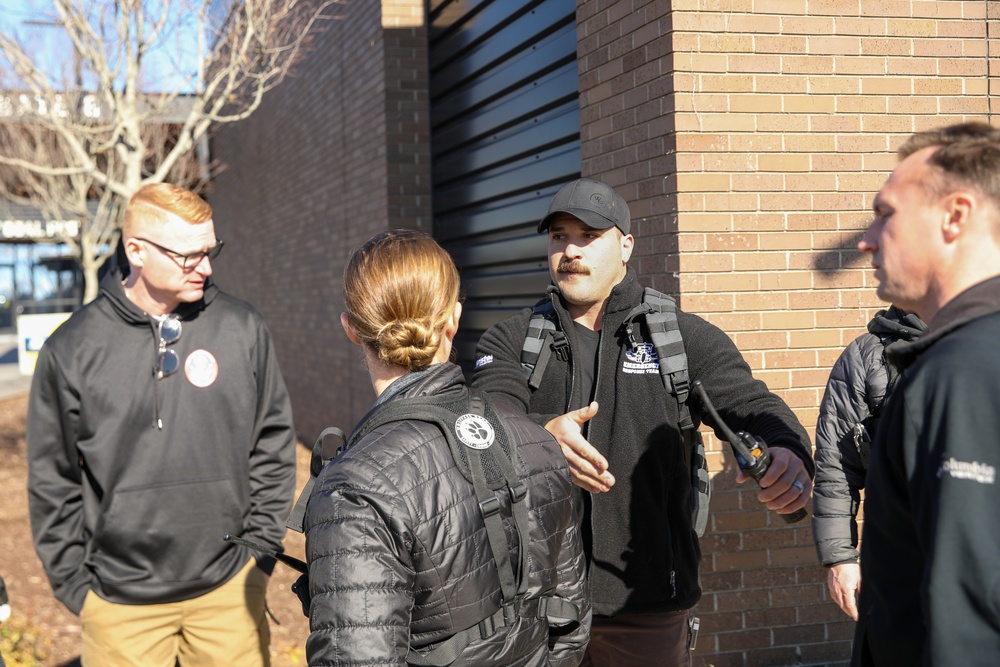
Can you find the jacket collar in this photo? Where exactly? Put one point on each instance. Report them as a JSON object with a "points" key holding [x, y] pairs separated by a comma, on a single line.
{"points": [[978, 301], [113, 290], [429, 381], [897, 323], [435, 379]]}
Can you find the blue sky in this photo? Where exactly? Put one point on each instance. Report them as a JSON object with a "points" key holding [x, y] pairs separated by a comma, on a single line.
{"points": [[164, 69]]}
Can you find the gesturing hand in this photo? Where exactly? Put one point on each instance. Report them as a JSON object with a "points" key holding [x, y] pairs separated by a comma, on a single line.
{"points": [[588, 467]]}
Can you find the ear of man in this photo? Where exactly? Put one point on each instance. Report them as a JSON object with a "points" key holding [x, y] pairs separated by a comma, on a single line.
{"points": [[134, 252], [628, 244], [959, 219]]}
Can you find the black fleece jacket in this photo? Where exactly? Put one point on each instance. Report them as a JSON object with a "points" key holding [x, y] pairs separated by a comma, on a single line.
{"points": [[643, 551], [930, 592], [134, 511]]}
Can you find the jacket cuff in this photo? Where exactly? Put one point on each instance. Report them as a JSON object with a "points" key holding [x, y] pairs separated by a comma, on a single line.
{"points": [[73, 592]]}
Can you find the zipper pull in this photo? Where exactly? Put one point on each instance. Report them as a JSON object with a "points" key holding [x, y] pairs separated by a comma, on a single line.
{"points": [[628, 332]]}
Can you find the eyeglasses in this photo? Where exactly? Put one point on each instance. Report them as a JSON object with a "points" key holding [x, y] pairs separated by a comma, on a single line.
{"points": [[170, 332], [190, 260]]}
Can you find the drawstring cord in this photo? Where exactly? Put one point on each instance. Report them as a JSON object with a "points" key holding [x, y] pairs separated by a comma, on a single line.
{"points": [[157, 422]]}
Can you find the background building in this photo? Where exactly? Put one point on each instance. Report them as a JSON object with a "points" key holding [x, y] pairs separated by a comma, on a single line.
{"points": [[749, 138], [37, 272]]}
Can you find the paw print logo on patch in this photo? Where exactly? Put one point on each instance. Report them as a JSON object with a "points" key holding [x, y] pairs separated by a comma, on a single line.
{"points": [[474, 431]]}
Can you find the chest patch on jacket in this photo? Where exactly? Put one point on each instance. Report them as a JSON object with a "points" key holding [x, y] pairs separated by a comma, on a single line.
{"points": [[201, 368], [641, 359], [983, 473]]}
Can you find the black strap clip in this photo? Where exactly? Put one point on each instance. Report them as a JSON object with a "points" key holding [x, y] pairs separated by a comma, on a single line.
{"points": [[490, 506], [518, 491], [560, 345]]}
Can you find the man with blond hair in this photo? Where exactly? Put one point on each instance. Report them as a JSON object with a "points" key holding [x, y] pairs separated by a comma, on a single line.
{"points": [[158, 422], [930, 592]]}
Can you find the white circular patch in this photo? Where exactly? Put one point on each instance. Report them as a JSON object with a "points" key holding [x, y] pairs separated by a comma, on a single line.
{"points": [[474, 431], [201, 368]]}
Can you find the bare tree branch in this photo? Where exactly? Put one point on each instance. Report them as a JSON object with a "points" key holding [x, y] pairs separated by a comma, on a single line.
{"points": [[81, 142]]}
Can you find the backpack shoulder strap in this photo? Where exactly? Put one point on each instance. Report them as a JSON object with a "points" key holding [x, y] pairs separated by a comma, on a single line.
{"points": [[660, 312], [316, 464], [664, 332], [541, 340]]}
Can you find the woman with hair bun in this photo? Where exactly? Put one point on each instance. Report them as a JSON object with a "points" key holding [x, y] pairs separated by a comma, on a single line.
{"points": [[447, 532]]}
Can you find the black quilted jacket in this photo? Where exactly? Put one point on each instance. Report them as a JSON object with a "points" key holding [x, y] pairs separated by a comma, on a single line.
{"points": [[848, 416], [398, 552]]}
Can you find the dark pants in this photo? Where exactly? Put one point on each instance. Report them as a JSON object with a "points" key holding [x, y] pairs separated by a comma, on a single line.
{"points": [[639, 640]]}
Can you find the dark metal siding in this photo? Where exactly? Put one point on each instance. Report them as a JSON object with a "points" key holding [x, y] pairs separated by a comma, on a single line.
{"points": [[505, 134]]}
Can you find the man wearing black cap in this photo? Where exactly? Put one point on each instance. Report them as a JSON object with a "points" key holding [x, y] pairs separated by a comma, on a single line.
{"points": [[604, 401]]}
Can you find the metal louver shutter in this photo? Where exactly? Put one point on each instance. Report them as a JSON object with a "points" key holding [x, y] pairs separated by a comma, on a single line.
{"points": [[505, 134]]}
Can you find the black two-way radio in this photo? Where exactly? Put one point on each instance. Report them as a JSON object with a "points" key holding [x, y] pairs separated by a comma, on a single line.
{"points": [[752, 455]]}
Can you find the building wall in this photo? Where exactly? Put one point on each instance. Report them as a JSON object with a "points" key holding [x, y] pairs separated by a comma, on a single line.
{"points": [[749, 138], [334, 155]]}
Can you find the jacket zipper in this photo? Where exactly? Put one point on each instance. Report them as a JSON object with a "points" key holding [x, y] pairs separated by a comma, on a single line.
{"points": [[557, 308]]}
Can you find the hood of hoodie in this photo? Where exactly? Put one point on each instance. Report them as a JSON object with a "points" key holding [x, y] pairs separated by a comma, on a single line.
{"points": [[114, 291], [897, 323], [977, 301]]}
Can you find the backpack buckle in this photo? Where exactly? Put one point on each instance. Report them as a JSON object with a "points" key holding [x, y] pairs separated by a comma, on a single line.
{"points": [[509, 614], [518, 491], [629, 333], [681, 384], [560, 346], [487, 627], [490, 506]]}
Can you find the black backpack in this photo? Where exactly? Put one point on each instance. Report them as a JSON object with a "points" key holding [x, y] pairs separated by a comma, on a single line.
{"points": [[659, 313], [484, 452]]}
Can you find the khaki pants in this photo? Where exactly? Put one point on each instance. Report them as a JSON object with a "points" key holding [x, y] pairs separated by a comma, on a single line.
{"points": [[224, 627], [639, 640]]}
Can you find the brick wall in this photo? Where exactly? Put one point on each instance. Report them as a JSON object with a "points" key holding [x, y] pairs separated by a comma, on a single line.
{"points": [[334, 155], [749, 138]]}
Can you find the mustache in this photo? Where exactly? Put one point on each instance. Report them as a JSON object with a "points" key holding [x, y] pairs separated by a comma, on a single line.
{"points": [[574, 266]]}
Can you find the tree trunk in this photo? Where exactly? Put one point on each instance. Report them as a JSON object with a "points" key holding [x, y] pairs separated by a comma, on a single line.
{"points": [[91, 283]]}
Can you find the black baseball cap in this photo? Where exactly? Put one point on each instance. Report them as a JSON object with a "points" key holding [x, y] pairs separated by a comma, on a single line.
{"points": [[596, 204]]}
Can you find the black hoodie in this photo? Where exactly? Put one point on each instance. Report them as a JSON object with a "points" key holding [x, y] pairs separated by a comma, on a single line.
{"points": [[133, 481]]}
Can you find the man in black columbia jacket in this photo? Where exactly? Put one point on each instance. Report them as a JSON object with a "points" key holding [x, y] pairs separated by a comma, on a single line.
{"points": [[158, 422], [618, 427], [930, 592]]}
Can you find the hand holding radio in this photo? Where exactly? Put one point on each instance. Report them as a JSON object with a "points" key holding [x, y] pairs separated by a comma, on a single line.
{"points": [[752, 454]]}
